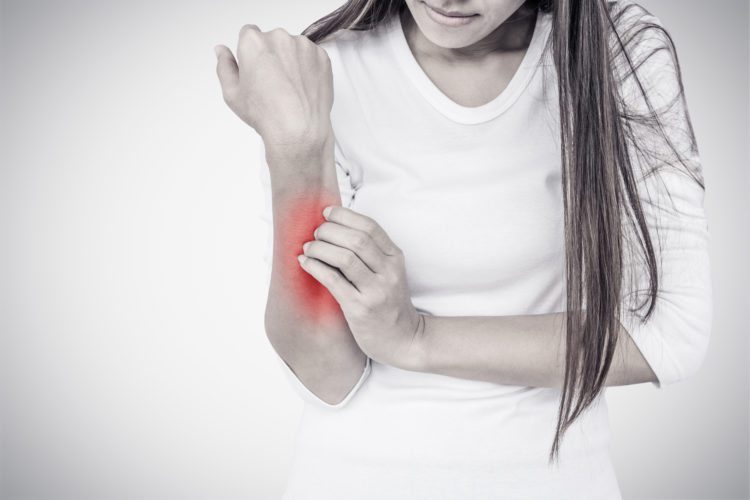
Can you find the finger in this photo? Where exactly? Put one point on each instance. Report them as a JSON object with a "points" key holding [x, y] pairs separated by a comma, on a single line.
{"points": [[350, 218], [246, 27], [343, 259], [354, 240], [227, 71], [331, 278]]}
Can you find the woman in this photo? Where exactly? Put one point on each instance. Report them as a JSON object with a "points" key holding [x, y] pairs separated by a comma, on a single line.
{"points": [[513, 222]]}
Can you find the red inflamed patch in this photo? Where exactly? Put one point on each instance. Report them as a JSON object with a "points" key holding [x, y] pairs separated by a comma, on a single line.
{"points": [[300, 220]]}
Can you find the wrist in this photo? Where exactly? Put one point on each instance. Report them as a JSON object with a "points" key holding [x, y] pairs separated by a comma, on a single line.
{"points": [[414, 355], [307, 169], [305, 165], [315, 145]]}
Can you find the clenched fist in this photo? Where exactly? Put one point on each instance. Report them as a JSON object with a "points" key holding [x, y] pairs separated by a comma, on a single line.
{"points": [[281, 85]]}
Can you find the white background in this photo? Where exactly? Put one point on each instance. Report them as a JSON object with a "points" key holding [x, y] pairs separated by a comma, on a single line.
{"points": [[133, 360]]}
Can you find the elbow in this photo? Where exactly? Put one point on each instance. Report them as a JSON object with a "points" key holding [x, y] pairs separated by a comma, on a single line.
{"points": [[686, 356], [270, 324], [696, 354], [685, 331], [686, 367]]}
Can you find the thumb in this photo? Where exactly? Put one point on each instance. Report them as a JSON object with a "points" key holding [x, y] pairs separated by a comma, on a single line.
{"points": [[227, 70]]}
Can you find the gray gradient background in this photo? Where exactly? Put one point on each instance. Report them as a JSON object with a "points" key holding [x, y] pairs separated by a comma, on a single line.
{"points": [[133, 361]]}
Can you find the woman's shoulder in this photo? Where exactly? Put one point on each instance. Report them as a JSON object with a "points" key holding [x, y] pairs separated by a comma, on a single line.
{"points": [[641, 44], [636, 26], [629, 11], [649, 78]]}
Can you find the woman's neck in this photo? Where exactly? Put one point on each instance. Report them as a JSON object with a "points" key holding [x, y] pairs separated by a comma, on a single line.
{"points": [[512, 35]]}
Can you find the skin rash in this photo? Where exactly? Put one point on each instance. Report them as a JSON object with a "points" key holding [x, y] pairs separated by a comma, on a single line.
{"points": [[301, 219]]}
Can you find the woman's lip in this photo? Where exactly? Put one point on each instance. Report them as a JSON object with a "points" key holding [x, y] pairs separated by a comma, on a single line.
{"points": [[449, 21], [448, 14]]}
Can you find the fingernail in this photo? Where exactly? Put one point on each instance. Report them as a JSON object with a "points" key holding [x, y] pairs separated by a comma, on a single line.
{"points": [[216, 51], [326, 212], [315, 234], [305, 247], [301, 259]]}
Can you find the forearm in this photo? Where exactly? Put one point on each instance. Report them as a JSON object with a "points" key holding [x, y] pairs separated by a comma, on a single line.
{"points": [[525, 350], [303, 322]]}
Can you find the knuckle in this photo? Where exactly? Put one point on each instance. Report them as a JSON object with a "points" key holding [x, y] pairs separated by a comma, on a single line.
{"points": [[369, 225], [248, 28], [358, 241], [324, 274], [280, 33], [321, 51], [306, 44], [349, 259], [333, 279]]}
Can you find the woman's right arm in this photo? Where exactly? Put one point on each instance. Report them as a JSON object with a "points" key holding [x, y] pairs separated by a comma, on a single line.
{"points": [[282, 86], [303, 321]]}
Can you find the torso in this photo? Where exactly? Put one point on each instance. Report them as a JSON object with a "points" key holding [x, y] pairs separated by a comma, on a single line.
{"points": [[473, 198]]}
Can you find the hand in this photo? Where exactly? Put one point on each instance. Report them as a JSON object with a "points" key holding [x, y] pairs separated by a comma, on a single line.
{"points": [[353, 257], [280, 84]]}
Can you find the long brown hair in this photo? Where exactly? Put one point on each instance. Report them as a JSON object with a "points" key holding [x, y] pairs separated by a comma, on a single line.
{"points": [[602, 138]]}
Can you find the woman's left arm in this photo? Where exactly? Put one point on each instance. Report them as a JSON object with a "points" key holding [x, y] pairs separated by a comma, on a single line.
{"points": [[516, 350], [668, 348], [372, 291]]}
